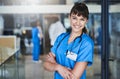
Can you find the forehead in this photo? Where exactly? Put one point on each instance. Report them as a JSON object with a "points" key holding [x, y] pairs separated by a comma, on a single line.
{"points": [[75, 15]]}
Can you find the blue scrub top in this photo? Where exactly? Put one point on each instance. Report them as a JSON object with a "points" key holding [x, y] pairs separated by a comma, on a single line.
{"points": [[79, 50]]}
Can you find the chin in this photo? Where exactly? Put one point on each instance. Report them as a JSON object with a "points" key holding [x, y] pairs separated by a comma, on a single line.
{"points": [[76, 31]]}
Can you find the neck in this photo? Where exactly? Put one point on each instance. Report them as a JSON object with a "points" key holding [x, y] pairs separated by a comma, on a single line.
{"points": [[73, 36]]}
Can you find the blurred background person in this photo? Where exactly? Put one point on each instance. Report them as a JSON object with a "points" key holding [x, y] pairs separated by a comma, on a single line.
{"points": [[55, 30], [36, 39], [40, 34]]}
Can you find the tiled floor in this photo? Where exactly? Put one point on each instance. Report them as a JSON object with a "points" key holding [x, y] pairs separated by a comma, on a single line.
{"points": [[36, 71]]}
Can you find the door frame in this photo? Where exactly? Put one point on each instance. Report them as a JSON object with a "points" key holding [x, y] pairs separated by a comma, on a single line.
{"points": [[105, 38]]}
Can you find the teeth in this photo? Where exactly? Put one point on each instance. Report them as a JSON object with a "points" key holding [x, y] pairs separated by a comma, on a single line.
{"points": [[77, 26]]}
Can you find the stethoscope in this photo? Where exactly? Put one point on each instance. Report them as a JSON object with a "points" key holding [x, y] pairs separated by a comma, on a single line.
{"points": [[69, 51]]}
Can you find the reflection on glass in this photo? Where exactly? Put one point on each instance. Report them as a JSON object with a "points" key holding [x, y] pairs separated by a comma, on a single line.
{"points": [[114, 64]]}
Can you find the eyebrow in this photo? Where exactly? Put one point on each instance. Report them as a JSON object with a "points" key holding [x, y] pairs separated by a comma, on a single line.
{"points": [[77, 15]]}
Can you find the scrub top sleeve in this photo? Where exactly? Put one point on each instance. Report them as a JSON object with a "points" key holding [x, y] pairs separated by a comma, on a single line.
{"points": [[86, 53], [55, 46]]}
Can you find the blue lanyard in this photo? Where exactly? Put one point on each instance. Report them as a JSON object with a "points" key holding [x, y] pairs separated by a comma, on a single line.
{"points": [[69, 51]]}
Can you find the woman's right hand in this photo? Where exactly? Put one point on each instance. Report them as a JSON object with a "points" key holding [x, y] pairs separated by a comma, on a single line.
{"points": [[51, 58], [64, 72]]}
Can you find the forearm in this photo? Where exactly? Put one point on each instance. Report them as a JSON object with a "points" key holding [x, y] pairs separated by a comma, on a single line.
{"points": [[79, 69], [50, 66]]}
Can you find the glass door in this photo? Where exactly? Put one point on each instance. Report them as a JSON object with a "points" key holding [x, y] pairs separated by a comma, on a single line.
{"points": [[110, 17], [114, 45]]}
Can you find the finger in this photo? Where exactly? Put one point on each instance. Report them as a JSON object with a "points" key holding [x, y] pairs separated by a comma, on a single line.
{"points": [[71, 76], [48, 56], [51, 54], [67, 75]]}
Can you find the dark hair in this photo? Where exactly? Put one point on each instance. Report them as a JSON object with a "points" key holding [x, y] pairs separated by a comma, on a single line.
{"points": [[80, 9]]}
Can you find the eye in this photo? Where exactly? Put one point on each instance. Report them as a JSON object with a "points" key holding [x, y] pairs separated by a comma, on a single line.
{"points": [[74, 17], [82, 19]]}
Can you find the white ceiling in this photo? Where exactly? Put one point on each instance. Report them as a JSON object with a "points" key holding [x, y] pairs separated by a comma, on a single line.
{"points": [[93, 8]]}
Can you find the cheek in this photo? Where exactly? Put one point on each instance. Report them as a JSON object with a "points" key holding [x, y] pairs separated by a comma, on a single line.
{"points": [[83, 23], [71, 22]]}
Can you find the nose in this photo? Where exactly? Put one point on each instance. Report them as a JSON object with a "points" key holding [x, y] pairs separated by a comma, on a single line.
{"points": [[78, 23]]}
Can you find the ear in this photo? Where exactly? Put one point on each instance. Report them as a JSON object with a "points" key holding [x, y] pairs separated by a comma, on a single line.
{"points": [[86, 20]]}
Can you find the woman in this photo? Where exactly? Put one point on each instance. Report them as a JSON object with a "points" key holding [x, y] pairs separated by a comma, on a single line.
{"points": [[72, 52]]}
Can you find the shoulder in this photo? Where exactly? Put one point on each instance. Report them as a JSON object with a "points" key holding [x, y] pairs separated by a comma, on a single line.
{"points": [[62, 35], [87, 40]]}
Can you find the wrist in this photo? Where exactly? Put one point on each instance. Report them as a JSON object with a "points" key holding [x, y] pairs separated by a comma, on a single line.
{"points": [[56, 67]]}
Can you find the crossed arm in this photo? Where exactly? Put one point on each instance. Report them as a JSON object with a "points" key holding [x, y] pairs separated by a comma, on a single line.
{"points": [[50, 64]]}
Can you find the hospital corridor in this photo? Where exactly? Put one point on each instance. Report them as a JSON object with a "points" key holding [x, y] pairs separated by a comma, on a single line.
{"points": [[29, 24]]}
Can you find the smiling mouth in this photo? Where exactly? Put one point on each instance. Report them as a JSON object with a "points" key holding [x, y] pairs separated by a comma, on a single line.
{"points": [[77, 26]]}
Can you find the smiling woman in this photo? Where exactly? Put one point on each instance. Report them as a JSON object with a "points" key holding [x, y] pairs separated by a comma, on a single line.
{"points": [[72, 52]]}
